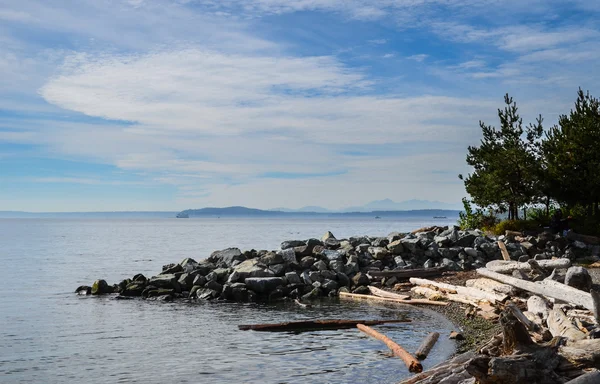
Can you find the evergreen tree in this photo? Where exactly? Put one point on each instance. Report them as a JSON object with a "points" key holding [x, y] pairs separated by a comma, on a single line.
{"points": [[573, 157], [506, 164]]}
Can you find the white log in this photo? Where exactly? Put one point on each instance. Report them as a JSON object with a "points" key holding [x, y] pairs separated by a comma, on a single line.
{"points": [[531, 326], [503, 266], [538, 307], [434, 295], [596, 305], [492, 286], [469, 292], [503, 250], [548, 288], [560, 325], [389, 295]]}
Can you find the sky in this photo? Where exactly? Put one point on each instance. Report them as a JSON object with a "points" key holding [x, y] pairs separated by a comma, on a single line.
{"points": [[112, 105]]}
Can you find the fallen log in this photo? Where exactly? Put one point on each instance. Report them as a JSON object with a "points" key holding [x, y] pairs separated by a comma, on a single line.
{"points": [[491, 286], [549, 288], [503, 250], [582, 353], [560, 325], [408, 273], [587, 378], [516, 312], [469, 292], [376, 298], [538, 307], [507, 267], [311, 325], [389, 295], [411, 362], [427, 345], [429, 293], [442, 370], [596, 304]]}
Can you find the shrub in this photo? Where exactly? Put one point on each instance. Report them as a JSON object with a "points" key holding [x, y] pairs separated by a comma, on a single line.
{"points": [[475, 218]]}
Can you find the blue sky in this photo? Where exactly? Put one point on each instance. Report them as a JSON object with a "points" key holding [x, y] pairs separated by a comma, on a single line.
{"points": [[167, 105]]}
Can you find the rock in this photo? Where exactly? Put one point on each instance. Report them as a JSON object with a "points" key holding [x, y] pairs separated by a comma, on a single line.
{"points": [[293, 278], [83, 290], [292, 244], [399, 261], [471, 252], [326, 236], [188, 265], [410, 244], [307, 262], [319, 266], [271, 258], [361, 279], [278, 270], [450, 265], [263, 284], [288, 255], [378, 252], [523, 259], [251, 268], [171, 269], [199, 280], [466, 240], [315, 276], [329, 285], [429, 264], [395, 236], [391, 281], [380, 242], [233, 278], [207, 294], [315, 293], [395, 247], [331, 243], [306, 278], [239, 294], [186, 280], [101, 287], [362, 290], [456, 336], [333, 255], [134, 289], [337, 266], [226, 257], [578, 277], [214, 286], [166, 281]]}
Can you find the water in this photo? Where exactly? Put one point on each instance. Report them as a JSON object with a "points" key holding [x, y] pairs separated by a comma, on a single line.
{"points": [[50, 335]]}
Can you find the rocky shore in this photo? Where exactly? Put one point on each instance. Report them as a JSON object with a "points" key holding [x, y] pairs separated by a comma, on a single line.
{"points": [[313, 268]]}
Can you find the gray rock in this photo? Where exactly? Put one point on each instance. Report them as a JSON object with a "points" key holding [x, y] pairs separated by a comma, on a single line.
{"points": [[333, 255], [199, 280], [315, 293], [343, 279], [337, 266], [251, 268], [523, 258], [306, 278], [278, 269], [315, 276], [450, 265], [293, 278], [395, 236], [307, 262], [214, 286], [410, 244], [288, 255], [578, 277], [471, 252], [361, 279], [327, 235], [186, 280], [378, 252], [292, 243], [391, 281], [263, 284], [205, 267], [395, 247], [226, 257], [100, 287], [163, 281], [466, 240], [319, 266], [429, 264], [271, 258], [234, 277], [329, 285], [362, 290], [331, 275], [399, 261], [331, 243], [188, 265], [380, 242]]}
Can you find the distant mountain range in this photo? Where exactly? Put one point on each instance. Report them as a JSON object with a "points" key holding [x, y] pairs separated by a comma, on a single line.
{"points": [[381, 208]]}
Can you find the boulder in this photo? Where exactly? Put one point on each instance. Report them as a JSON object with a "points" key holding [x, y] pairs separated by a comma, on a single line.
{"points": [[578, 277], [315, 293], [378, 252], [278, 269], [263, 284], [293, 278], [199, 280], [271, 258], [380, 242], [326, 236], [307, 262], [188, 265], [332, 255], [395, 247], [171, 269], [319, 266], [331, 243], [83, 290], [292, 244], [329, 285], [226, 257], [410, 244], [362, 290], [133, 289], [213, 285], [306, 278], [288, 255], [337, 266], [361, 279], [251, 268]]}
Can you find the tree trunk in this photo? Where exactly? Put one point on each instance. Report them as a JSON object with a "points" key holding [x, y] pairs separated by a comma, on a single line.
{"points": [[411, 362]]}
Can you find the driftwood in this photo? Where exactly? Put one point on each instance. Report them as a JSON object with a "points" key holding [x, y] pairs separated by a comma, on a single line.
{"points": [[311, 325], [516, 312], [549, 288], [411, 362], [347, 295], [492, 286], [441, 371], [593, 240], [469, 292], [503, 250], [560, 325], [427, 345], [596, 304], [584, 353], [538, 307], [429, 293], [389, 295], [502, 266], [407, 273], [587, 378], [301, 305]]}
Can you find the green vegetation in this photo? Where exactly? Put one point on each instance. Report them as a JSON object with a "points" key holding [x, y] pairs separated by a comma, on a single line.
{"points": [[527, 170]]}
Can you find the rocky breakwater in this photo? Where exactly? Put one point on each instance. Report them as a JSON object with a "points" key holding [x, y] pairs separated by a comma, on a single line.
{"points": [[313, 268]]}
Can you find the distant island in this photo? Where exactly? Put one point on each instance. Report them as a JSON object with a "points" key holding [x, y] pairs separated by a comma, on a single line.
{"points": [[239, 211]]}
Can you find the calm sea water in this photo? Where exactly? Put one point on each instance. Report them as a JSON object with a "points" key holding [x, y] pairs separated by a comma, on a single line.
{"points": [[50, 335]]}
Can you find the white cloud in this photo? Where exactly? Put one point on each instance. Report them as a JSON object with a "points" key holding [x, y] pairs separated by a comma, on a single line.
{"points": [[418, 58]]}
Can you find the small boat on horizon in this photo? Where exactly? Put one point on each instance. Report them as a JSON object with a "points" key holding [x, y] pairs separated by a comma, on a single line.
{"points": [[439, 217], [377, 217]]}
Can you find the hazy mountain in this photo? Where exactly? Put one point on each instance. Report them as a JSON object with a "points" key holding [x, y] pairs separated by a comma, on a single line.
{"points": [[310, 208], [408, 205]]}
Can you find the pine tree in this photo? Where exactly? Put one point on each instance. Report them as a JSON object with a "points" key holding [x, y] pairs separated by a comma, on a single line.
{"points": [[506, 165]]}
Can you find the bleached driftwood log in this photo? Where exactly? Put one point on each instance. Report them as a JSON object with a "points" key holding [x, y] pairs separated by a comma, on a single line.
{"points": [[548, 288], [472, 293], [429, 293], [441, 371], [560, 325], [503, 266], [492, 286], [584, 353], [503, 250], [385, 299], [389, 295], [538, 307]]}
